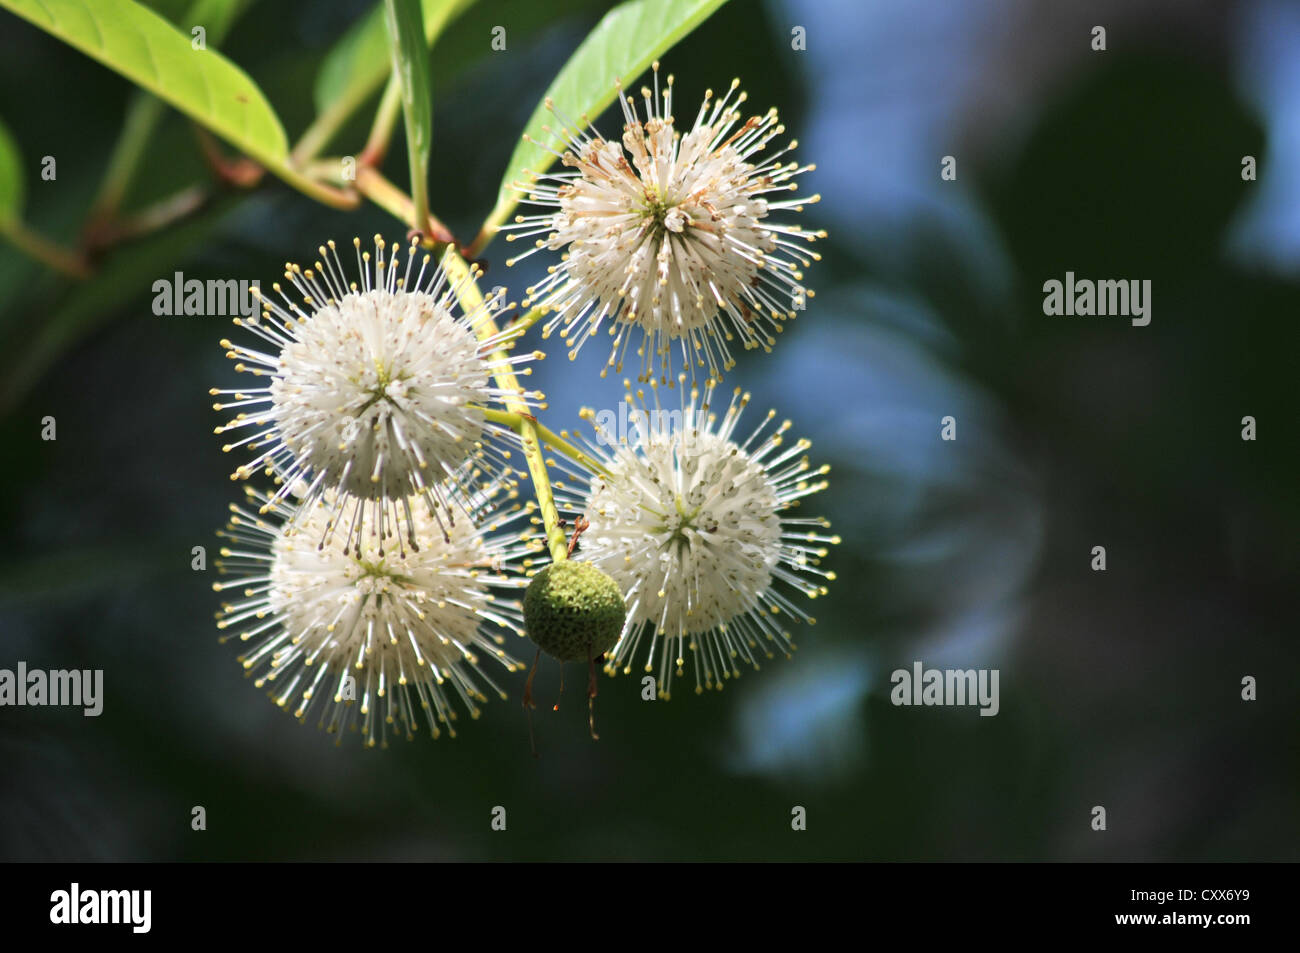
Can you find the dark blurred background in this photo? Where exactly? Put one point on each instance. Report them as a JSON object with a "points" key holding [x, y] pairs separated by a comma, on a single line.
{"points": [[1119, 688]]}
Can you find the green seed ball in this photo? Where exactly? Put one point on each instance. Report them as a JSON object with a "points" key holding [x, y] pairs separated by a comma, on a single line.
{"points": [[573, 611]]}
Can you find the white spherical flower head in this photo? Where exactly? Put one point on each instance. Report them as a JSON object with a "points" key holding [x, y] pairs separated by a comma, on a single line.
{"points": [[693, 527], [377, 391], [669, 233], [376, 387], [376, 637], [709, 515]]}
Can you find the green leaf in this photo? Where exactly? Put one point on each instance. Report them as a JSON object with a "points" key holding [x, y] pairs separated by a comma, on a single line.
{"points": [[358, 65], [144, 111], [215, 16], [410, 57], [11, 178], [167, 9], [621, 47], [141, 45]]}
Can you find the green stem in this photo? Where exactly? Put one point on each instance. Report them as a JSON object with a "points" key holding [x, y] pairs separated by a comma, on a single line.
{"points": [[481, 240], [43, 250], [103, 233], [325, 194], [137, 130], [462, 278], [247, 172], [372, 184], [549, 437], [558, 442], [328, 170], [381, 131], [410, 75], [326, 126], [391, 199]]}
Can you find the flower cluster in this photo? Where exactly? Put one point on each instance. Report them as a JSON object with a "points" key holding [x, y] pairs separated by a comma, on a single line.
{"points": [[372, 573], [375, 580]]}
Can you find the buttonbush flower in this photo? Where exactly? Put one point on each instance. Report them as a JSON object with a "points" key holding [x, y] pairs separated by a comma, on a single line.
{"points": [[380, 636], [669, 233], [695, 525], [376, 390]]}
